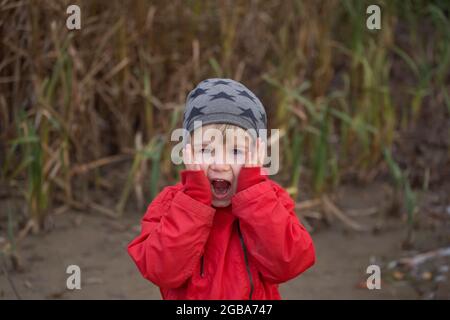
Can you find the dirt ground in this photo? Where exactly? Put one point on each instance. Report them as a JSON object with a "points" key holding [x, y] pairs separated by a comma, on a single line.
{"points": [[98, 245]]}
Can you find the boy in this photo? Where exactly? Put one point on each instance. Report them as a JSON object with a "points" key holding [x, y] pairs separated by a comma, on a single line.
{"points": [[226, 231]]}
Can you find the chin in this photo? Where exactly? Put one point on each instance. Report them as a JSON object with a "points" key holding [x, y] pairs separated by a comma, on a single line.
{"points": [[221, 203]]}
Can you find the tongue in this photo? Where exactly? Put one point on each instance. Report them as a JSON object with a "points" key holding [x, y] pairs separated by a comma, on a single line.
{"points": [[220, 186]]}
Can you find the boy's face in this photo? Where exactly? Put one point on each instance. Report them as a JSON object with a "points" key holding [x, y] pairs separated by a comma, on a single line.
{"points": [[221, 161]]}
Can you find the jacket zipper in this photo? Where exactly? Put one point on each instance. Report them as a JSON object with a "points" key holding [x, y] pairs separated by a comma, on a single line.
{"points": [[246, 262], [201, 266]]}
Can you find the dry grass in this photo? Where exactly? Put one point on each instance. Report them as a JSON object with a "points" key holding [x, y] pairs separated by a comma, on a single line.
{"points": [[73, 102]]}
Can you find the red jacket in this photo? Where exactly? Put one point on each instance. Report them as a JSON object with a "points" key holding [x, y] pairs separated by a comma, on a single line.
{"points": [[192, 250]]}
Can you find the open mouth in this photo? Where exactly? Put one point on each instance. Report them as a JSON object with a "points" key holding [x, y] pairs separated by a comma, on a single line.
{"points": [[220, 188]]}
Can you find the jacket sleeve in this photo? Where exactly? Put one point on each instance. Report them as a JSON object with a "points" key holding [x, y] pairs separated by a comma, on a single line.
{"points": [[174, 231], [276, 240]]}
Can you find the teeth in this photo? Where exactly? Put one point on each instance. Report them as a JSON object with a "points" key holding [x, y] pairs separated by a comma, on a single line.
{"points": [[220, 186]]}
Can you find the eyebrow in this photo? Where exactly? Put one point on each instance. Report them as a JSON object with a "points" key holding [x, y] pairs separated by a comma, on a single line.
{"points": [[205, 144]]}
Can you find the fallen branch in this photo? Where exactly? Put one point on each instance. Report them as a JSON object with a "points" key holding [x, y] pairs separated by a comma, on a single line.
{"points": [[29, 226], [308, 204], [330, 208], [415, 261], [312, 214], [103, 210], [89, 205], [362, 212], [83, 168], [305, 222]]}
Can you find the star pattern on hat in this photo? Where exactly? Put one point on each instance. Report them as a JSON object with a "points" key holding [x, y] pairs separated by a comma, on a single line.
{"points": [[215, 83], [262, 117], [194, 112], [244, 93], [222, 95], [197, 92], [248, 113]]}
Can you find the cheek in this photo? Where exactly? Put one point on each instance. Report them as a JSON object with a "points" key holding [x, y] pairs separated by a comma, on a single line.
{"points": [[204, 168], [236, 169]]}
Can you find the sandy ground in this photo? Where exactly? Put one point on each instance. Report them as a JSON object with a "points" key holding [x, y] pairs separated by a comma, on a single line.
{"points": [[98, 245]]}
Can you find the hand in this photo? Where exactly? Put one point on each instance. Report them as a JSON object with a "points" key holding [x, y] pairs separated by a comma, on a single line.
{"points": [[255, 158], [188, 158]]}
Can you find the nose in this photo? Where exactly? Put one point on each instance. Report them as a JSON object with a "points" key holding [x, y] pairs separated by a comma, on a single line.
{"points": [[220, 167]]}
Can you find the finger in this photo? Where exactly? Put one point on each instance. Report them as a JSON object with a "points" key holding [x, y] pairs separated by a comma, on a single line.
{"points": [[261, 152], [257, 151], [188, 153], [248, 160], [183, 155], [196, 159]]}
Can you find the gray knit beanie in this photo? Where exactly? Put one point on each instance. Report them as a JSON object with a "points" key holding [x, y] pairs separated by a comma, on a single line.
{"points": [[219, 100]]}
